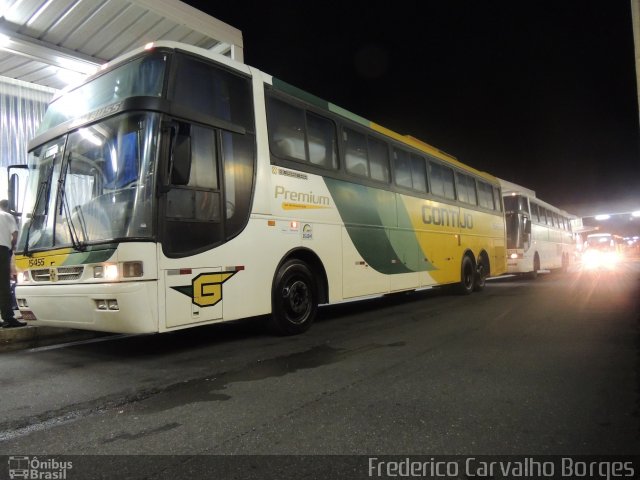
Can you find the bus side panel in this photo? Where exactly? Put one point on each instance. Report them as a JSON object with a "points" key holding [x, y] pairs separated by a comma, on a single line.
{"points": [[410, 253], [498, 256], [540, 244], [304, 202], [436, 226], [359, 277], [483, 231]]}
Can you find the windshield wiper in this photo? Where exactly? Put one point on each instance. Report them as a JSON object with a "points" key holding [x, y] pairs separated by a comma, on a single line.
{"points": [[77, 244], [44, 186]]}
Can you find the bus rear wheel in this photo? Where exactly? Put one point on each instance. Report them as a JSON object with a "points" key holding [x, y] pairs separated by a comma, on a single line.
{"points": [[468, 276], [482, 271], [294, 299]]}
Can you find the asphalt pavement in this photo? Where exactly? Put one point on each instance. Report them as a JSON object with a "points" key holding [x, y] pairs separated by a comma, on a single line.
{"points": [[30, 336]]}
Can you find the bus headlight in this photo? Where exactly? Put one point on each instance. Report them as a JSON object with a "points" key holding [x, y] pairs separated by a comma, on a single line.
{"points": [[23, 277], [98, 271], [593, 259], [107, 272], [112, 271]]}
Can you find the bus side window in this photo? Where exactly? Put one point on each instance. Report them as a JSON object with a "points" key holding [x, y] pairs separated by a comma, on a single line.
{"points": [[286, 130], [355, 157], [497, 197], [379, 159], [199, 196], [410, 170], [466, 189], [402, 168], [181, 161], [485, 195], [321, 136], [418, 173], [442, 183], [534, 212]]}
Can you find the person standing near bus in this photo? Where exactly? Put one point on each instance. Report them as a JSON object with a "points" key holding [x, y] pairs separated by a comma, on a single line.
{"points": [[8, 238]]}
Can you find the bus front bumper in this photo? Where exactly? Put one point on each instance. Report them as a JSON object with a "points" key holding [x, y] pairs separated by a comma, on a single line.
{"points": [[126, 307]]}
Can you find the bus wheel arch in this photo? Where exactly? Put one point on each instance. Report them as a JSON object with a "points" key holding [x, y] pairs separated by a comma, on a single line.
{"points": [[299, 285], [317, 269], [533, 274], [483, 270]]}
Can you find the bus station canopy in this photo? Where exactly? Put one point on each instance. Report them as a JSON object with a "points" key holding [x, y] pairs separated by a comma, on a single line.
{"points": [[52, 43]]}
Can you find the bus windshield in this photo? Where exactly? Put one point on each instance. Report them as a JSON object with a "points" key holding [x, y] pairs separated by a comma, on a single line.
{"points": [[514, 230], [515, 203], [93, 185]]}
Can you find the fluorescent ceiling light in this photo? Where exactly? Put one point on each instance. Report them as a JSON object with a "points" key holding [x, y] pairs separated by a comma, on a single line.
{"points": [[35, 16], [4, 40]]}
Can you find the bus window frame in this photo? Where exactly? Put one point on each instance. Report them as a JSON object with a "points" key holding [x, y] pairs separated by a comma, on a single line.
{"points": [[293, 162], [342, 174]]}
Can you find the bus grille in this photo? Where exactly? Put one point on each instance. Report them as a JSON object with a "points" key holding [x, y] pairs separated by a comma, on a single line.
{"points": [[62, 274]]}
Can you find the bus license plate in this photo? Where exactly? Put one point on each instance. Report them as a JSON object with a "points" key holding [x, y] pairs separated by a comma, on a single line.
{"points": [[28, 315]]}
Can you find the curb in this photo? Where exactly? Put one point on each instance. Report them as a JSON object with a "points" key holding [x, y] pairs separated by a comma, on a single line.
{"points": [[21, 338]]}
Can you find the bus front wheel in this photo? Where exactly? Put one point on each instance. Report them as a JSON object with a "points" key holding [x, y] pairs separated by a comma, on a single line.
{"points": [[294, 299]]}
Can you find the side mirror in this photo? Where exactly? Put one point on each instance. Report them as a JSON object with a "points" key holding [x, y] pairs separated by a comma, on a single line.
{"points": [[17, 176], [181, 160], [527, 225], [177, 145], [14, 188]]}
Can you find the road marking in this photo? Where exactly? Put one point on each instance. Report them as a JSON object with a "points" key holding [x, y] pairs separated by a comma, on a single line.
{"points": [[80, 342]]}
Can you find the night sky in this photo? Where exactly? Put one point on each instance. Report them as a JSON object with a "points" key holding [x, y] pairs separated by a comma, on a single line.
{"points": [[539, 93]]}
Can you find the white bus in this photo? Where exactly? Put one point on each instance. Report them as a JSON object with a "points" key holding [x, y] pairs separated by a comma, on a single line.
{"points": [[539, 235], [177, 187]]}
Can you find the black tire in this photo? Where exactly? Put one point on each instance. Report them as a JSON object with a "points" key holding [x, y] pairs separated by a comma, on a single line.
{"points": [[467, 276], [482, 271], [294, 299]]}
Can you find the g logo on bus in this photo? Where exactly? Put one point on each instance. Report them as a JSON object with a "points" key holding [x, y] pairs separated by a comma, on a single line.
{"points": [[206, 289]]}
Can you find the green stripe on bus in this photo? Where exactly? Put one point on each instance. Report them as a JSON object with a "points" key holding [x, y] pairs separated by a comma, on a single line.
{"points": [[369, 217], [95, 255], [317, 101], [351, 116], [299, 93], [405, 240]]}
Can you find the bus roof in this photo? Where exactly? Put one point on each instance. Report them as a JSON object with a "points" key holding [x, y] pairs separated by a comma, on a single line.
{"points": [[302, 95], [510, 188]]}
